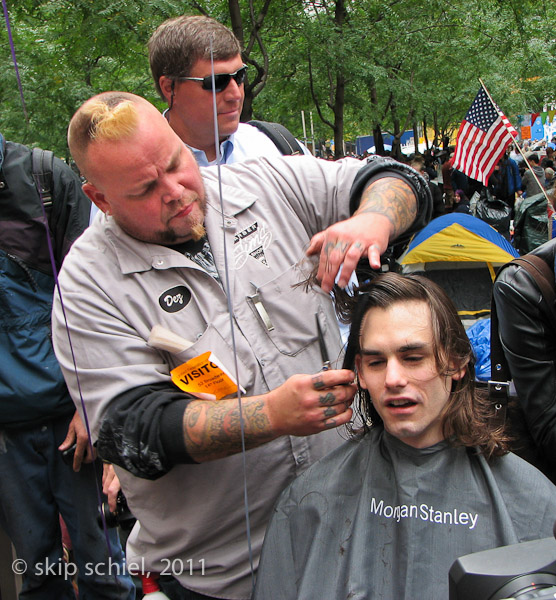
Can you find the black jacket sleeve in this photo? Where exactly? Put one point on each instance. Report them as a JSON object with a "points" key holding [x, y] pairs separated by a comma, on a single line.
{"points": [[530, 350], [142, 430]]}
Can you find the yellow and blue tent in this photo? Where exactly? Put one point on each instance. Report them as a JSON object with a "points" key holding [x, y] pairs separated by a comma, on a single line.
{"points": [[462, 254]]}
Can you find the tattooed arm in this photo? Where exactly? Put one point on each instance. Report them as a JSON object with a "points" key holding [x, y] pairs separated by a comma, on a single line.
{"points": [[303, 405], [149, 429], [388, 207]]}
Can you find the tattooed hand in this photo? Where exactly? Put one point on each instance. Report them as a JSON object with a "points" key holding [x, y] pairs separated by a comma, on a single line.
{"points": [[388, 208], [307, 404], [303, 405]]}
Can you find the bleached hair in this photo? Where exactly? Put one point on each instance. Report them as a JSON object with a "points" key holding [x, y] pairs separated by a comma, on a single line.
{"points": [[108, 116]]}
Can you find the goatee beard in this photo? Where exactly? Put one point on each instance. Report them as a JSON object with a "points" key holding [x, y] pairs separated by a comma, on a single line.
{"points": [[198, 231]]}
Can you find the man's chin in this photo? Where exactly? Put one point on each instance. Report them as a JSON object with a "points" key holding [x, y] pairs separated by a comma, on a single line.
{"points": [[170, 237], [228, 125]]}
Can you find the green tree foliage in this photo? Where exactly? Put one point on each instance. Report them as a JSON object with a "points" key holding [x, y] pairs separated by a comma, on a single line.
{"points": [[354, 66], [68, 50]]}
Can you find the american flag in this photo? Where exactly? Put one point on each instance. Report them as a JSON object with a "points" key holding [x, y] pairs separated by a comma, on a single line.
{"points": [[483, 136]]}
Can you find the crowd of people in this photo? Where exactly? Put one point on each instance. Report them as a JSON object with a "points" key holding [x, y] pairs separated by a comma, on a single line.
{"points": [[244, 268]]}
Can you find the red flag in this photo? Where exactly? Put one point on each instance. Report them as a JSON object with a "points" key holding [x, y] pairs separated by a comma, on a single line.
{"points": [[483, 136]]}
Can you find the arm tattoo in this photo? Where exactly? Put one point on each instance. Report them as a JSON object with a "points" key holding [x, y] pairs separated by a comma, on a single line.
{"points": [[392, 198], [213, 430]]}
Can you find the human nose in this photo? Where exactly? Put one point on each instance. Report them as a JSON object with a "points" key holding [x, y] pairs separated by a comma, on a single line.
{"points": [[233, 91], [395, 374], [173, 190]]}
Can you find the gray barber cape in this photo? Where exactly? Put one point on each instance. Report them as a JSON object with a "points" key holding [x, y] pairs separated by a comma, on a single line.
{"points": [[377, 518]]}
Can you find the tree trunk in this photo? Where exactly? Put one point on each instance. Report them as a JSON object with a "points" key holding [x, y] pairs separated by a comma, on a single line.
{"points": [[339, 116], [340, 15], [437, 135], [236, 20], [258, 75], [247, 110], [425, 132], [379, 142], [396, 145]]}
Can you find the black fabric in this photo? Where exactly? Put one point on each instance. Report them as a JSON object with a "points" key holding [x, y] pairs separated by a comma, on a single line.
{"points": [[494, 211], [438, 208], [30, 395], [142, 430], [282, 138], [527, 335], [172, 588], [22, 230], [43, 165], [463, 207], [531, 223]]}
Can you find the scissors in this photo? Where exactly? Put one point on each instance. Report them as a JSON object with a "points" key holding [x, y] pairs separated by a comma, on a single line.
{"points": [[322, 346]]}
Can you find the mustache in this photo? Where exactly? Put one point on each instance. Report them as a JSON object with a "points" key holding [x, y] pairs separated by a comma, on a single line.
{"points": [[187, 199]]}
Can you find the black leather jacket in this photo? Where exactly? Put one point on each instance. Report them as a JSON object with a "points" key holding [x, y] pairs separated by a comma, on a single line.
{"points": [[529, 344]]}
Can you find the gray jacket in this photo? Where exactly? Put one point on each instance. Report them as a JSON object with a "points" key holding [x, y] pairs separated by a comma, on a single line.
{"points": [[116, 288]]}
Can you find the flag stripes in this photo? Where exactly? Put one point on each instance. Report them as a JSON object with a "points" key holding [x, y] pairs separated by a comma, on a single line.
{"points": [[482, 139]]}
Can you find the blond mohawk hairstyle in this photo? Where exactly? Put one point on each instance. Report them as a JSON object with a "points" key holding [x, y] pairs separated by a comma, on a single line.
{"points": [[111, 123], [109, 116]]}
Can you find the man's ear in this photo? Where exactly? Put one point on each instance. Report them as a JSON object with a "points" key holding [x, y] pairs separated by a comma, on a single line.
{"points": [[459, 373], [359, 372], [166, 86], [97, 197]]}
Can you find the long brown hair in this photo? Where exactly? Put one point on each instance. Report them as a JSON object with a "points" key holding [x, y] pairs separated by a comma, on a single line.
{"points": [[468, 416]]}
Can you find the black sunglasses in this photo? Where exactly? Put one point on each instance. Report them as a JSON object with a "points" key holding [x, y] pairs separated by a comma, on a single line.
{"points": [[221, 81]]}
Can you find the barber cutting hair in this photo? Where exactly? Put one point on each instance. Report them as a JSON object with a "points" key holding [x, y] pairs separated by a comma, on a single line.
{"points": [[163, 234]]}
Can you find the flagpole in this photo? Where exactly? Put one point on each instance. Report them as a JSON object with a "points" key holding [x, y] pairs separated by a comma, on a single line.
{"points": [[526, 162]]}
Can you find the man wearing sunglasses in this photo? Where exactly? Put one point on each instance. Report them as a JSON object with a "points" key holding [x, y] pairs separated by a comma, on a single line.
{"points": [[179, 55]]}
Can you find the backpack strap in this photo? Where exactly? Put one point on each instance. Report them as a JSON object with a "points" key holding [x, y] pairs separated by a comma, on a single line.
{"points": [[499, 384], [43, 163], [281, 136]]}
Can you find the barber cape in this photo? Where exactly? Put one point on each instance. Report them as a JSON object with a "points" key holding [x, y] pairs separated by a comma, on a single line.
{"points": [[377, 518]]}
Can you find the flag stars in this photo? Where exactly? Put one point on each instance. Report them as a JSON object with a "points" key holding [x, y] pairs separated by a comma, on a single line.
{"points": [[482, 138], [482, 113]]}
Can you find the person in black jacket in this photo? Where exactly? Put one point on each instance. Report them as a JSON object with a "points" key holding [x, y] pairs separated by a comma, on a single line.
{"points": [[461, 202], [505, 181], [529, 343], [438, 208], [38, 420]]}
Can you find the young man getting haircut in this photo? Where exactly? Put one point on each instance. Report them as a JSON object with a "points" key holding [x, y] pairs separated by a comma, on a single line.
{"points": [[426, 480]]}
